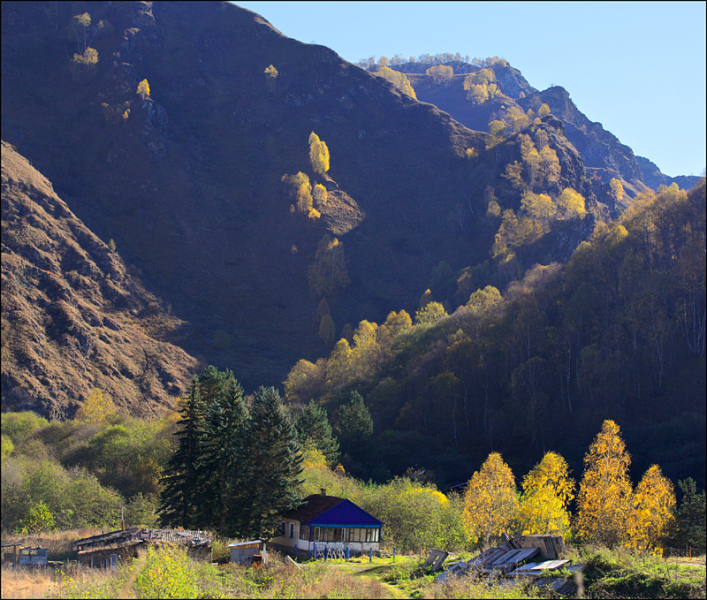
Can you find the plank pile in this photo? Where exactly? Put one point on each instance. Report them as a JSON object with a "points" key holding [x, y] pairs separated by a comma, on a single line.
{"points": [[510, 560]]}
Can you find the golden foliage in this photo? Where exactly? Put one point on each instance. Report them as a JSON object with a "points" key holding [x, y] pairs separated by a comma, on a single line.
{"points": [[320, 195], [604, 499], [83, 66], [318, 154], [115, 115], [617, 190], [96, 409], [472, 153], [571, 204], [430, 313], [653, 502], [490, 502], [547, 492], [143, 89], [441, 74], [482, 302], [399, 80], [339, 366]]}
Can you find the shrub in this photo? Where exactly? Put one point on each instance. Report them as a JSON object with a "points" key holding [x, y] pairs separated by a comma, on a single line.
{"points": [[19, 425], [167, 573]]}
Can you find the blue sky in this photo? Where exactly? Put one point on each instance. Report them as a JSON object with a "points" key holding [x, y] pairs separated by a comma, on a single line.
{"points": [[636, 67]]}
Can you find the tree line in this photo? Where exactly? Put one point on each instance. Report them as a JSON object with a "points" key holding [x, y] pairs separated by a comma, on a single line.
{"points": [[236, 467], [603, 336]]}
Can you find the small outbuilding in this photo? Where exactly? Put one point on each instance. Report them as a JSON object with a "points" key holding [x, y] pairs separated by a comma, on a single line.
{"points": [[248, 552], [327, 525]]}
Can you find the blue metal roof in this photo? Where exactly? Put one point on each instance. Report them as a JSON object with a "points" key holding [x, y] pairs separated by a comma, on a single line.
{"points": [[344, 514]]}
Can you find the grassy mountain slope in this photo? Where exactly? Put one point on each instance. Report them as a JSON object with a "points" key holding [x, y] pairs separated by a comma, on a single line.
{"points": [[188, 184], [73, 317]]}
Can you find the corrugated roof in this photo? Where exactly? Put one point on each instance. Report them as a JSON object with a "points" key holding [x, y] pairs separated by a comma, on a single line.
{"points": [[315, 505]]}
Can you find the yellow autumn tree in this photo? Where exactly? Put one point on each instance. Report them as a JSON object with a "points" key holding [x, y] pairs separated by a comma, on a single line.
{"points": [[604, 501], [617, 190], [143, 89], [571, 204], [339, 366], [270, 77], [96, 409], [366, 351], [430, 313], [399, 80], [318, 154], [652, 514], [320, 195], [547, 492], [490, 501], [83, 66]]}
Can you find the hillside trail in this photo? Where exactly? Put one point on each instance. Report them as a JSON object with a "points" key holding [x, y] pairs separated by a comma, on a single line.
{"points": [[370, 571], [127, 591]]}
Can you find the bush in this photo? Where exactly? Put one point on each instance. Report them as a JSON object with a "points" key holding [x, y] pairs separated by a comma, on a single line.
{"points": [[168, 573], [19, 425]]}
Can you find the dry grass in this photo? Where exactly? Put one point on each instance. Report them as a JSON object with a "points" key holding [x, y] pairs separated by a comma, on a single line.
{"points": [[27, 583], [58, 543]]}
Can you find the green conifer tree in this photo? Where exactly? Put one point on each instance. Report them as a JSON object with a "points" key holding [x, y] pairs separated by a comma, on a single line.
{"points": [[313, 424], [273, 465], [215, 384], [177, 499], [223, 470], [355, 424]]}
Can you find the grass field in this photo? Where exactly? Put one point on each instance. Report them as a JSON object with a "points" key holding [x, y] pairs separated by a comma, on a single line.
{"points": [[170, 574]]}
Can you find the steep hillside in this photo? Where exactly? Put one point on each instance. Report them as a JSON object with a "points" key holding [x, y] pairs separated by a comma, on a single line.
{"points": [[617, 332], [186, 178], [73, 317], [601, 151]]}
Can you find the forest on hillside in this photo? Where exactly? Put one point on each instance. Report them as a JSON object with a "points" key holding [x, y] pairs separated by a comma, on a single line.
{"points": [[618, 332], [441, 302]]}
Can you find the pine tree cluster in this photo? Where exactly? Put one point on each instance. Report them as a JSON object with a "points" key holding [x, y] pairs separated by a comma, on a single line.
{"points": [[236, 467]]}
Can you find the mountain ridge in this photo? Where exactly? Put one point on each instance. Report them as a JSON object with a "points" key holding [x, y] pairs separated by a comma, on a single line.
{"points": [[188, 179]]}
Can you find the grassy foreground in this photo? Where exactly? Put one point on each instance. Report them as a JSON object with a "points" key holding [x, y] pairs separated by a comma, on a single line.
{"points": [[169, 573]]}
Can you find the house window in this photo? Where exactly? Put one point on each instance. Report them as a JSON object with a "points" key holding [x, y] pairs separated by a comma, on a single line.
{"points": [[316, 533], [282, 528], [292, 530], [372, 535], [304, 532]]}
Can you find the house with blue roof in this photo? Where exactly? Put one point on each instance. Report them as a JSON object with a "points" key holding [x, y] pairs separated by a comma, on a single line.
{"points": [[324, 524]]}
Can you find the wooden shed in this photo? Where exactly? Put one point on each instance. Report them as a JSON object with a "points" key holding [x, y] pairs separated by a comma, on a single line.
{"points": [[244, 553]]}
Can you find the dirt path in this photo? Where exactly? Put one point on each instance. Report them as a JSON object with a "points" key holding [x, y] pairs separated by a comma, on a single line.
{"points": [[127, 591]]}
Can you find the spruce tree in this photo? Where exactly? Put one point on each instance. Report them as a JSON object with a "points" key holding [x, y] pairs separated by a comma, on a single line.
{"points": [[179, 498], [355, 424], [223, 472], [313, 424], [274, 464], [216, 384]]}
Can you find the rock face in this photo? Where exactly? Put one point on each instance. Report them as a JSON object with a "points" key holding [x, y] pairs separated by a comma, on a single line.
{"points": [[73, 317]]}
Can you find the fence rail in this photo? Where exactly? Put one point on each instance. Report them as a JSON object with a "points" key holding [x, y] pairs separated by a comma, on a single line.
{"points": [[686, 552]]}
